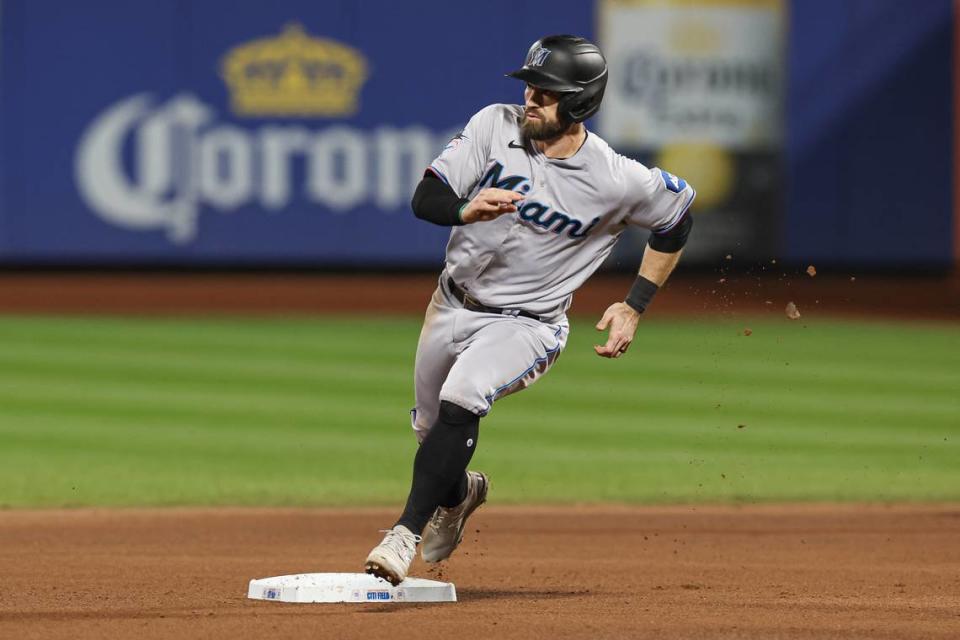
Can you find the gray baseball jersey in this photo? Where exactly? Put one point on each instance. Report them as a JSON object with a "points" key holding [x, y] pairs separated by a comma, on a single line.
{"points": [[572, 213]]}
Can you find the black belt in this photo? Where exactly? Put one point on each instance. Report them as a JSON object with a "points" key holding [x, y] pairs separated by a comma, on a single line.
{"points": [[472, 305]]}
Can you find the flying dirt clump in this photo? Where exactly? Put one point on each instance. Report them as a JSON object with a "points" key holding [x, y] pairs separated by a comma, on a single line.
{"points": [[748, 331], [792, 312]]}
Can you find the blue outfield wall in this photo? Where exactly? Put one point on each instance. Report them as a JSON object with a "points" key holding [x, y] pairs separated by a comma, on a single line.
{"points": [[134, 132], [122, 143], [870, 133]]}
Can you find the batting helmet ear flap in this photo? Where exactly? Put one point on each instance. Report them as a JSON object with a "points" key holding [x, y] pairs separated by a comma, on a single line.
{"points": [[577, 107]]}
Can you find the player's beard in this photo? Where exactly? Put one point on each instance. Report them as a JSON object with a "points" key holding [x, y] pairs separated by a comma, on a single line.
{"points": [[543, 130]]}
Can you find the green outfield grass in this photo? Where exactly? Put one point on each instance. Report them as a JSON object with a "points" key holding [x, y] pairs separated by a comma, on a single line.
{"points": [[112, 411]]}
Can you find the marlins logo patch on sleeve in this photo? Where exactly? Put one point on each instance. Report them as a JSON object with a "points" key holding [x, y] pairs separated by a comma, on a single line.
{"points": [[455, 141]]}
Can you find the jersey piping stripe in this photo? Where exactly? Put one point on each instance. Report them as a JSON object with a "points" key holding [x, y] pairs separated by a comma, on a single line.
{"points": [[683, 212], [439, 174], [536, 363]]}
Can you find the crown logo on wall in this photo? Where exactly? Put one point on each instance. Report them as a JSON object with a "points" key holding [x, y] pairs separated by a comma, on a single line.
{"points": [[294, 74]]}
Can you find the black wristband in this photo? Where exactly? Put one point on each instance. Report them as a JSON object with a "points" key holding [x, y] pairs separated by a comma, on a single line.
{"points": [[641, 293]]}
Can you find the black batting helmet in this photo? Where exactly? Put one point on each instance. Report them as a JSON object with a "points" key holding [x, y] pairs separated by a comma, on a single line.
{"points": [[571, 66]]}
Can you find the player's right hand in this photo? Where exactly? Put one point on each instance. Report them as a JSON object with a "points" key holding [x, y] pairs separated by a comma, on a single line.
{"points": [[490, 204]]}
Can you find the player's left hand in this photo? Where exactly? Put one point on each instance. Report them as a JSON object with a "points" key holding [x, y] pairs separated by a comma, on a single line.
{"points": [[622, 321]]}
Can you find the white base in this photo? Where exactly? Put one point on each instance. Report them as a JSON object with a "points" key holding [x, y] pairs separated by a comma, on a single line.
{"points": [[348, 587]]}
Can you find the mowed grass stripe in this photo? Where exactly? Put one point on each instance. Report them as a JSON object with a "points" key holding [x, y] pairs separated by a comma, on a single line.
{"points": [[212, 395], [183, 439], [216, 335], [314, 411], [105, 428], [279, 375], [334, 416], [275, 375], [651, 431], [249, 481], [749, 394], [236, 363], [295, 338], [300, 368], [146, 399], [304, 464], [773, 426], [216, 394], [50, 432]]}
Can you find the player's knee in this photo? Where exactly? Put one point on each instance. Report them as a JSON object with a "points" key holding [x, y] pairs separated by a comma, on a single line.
{"points": [[454, 414]]}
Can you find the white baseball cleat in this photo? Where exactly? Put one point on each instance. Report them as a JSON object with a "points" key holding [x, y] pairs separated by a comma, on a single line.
{"points": [[445, 529], [391, 558]]}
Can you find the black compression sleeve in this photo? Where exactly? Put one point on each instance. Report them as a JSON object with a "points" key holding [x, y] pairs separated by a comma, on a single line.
{"points": [[434, 201], [673, 240]]}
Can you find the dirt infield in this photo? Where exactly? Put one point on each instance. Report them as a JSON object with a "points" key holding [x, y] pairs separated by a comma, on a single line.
{"points": [[591, 572], [830, 293]]}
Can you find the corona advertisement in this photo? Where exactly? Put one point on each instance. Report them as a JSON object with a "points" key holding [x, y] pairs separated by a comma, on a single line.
{"points": [[216, 133], [188, 160], [698, 89]]}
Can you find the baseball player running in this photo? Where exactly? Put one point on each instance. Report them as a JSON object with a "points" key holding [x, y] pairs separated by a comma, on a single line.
{"points": [[535, 202]]}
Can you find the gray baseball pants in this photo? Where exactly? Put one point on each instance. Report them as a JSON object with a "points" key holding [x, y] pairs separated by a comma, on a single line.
{"points": [[471, 359]]}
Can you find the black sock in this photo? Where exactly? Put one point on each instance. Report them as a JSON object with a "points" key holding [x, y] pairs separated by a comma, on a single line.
{"points": [[457, 494], [439, 468]]}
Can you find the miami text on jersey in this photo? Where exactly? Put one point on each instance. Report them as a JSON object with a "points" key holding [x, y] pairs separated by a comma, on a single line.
{"points": [[535, 212]]}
